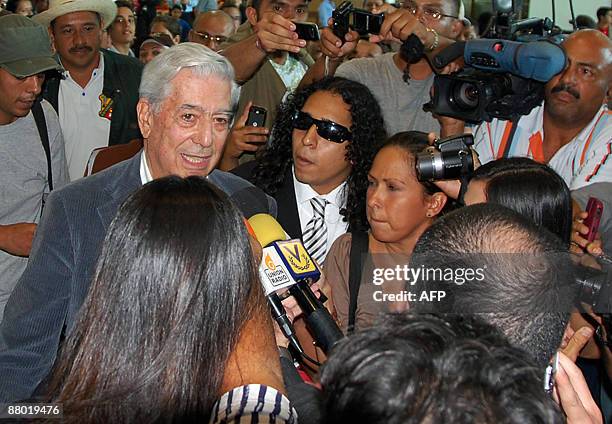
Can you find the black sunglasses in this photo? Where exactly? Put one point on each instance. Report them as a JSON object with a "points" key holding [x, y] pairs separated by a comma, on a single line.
{"points": [[329, 130]]}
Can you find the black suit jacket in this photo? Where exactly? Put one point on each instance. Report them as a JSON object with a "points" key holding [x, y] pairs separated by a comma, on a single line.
{"points": [[286, 202], [121, 82]]}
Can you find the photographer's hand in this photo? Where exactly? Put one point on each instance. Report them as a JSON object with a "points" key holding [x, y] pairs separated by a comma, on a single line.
{"points": [[277, 33], [334, 51], [576, 341], [272, 33], [399, 25], [451, 187], [580, 244], [242, 139], [572, 394], [335, 48]]}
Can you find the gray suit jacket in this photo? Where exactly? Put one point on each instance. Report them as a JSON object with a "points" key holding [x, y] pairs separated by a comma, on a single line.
{"points": [[55, 283]]}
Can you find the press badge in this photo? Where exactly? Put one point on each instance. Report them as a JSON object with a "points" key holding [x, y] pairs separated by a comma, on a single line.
{"points": [[106, 106]]}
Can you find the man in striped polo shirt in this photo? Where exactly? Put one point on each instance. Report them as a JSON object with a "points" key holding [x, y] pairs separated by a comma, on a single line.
{"points": [[572, 129]]}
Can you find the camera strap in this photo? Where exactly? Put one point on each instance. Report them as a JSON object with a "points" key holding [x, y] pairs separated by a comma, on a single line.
{"points": [[464, 176], [359, 247], [507, 140]]}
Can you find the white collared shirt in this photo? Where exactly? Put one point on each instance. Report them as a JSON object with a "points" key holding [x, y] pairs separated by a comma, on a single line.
{"points": [[583, 161], [333, 220], [145, 172], [79, 114]]}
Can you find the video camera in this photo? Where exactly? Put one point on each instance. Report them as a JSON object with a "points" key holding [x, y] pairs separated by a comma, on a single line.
{"points": [[503, 78], [347, 17]]}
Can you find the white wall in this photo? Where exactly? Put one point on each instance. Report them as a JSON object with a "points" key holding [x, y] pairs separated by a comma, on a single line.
{"points": [[543, 9]]}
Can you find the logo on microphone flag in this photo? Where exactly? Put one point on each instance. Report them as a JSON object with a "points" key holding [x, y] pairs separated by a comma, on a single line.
{"points": [[296, 257], [272, 271]]}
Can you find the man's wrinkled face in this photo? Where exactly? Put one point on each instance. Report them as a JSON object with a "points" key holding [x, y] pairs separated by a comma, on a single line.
{"points": [[187, 134], [575, 95], [77, 37], [17, 95]]}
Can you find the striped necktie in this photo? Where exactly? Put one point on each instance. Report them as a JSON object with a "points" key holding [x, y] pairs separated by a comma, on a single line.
{"points": [[315, 234]]}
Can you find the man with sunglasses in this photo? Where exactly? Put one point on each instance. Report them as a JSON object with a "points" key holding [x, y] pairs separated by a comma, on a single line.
{"points": [[212, 29], [267, 55], [324, 141], [400, 84]]}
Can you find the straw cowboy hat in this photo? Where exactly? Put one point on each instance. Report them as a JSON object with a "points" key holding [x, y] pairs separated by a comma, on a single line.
{"points": [[105, 8]]}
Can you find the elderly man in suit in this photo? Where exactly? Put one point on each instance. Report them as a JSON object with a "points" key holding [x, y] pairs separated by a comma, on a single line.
{"points": [[187, 100]]}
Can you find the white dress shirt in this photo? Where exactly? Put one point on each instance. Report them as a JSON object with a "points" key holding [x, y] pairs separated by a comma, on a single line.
{"points": [[336, 200], [82, 126], [145, 172]]}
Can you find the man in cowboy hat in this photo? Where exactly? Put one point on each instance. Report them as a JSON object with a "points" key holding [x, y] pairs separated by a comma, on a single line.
{"points": [[27, 161], [96, 101]]}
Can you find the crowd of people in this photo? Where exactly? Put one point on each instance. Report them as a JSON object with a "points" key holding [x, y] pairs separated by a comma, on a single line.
{"points": [[130, 279]]}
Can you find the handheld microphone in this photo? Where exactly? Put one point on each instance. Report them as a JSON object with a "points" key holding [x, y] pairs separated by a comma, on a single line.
{"points": [[287, 264]]}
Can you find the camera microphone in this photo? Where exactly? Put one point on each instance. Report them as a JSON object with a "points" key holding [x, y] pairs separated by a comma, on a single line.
{"points": [[537, 60]]}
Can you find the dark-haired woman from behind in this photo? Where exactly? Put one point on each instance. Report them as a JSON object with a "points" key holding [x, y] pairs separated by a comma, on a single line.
{"points": [[399, 209], [530, 188], [175, 317]]}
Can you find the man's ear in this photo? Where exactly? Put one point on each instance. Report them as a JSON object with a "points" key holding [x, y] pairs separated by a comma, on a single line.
{"points": [[145, 116], [52, 37], [190, 36], [251, 15], [176, 39]]}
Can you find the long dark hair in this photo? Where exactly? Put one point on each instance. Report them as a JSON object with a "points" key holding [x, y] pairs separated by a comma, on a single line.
{"points": [[368, 132], [532, 189], [174, 284]]}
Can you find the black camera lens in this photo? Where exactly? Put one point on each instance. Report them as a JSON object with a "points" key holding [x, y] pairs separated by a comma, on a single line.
{"points": [[434, 165], [429, 166], [465, 95]]}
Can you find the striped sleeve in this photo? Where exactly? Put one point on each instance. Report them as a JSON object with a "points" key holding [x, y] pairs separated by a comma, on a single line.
{"points": [[483, 143], [597, 166], [254, 403]]}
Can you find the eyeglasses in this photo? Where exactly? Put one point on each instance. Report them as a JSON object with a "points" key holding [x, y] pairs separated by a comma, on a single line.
{"points": [[329, 130], [429, 12], [209, 37]]}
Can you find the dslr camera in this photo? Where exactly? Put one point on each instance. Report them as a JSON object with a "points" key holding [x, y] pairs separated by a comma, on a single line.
{"points": [[595, 290], [346, 17], [448, 159]]}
